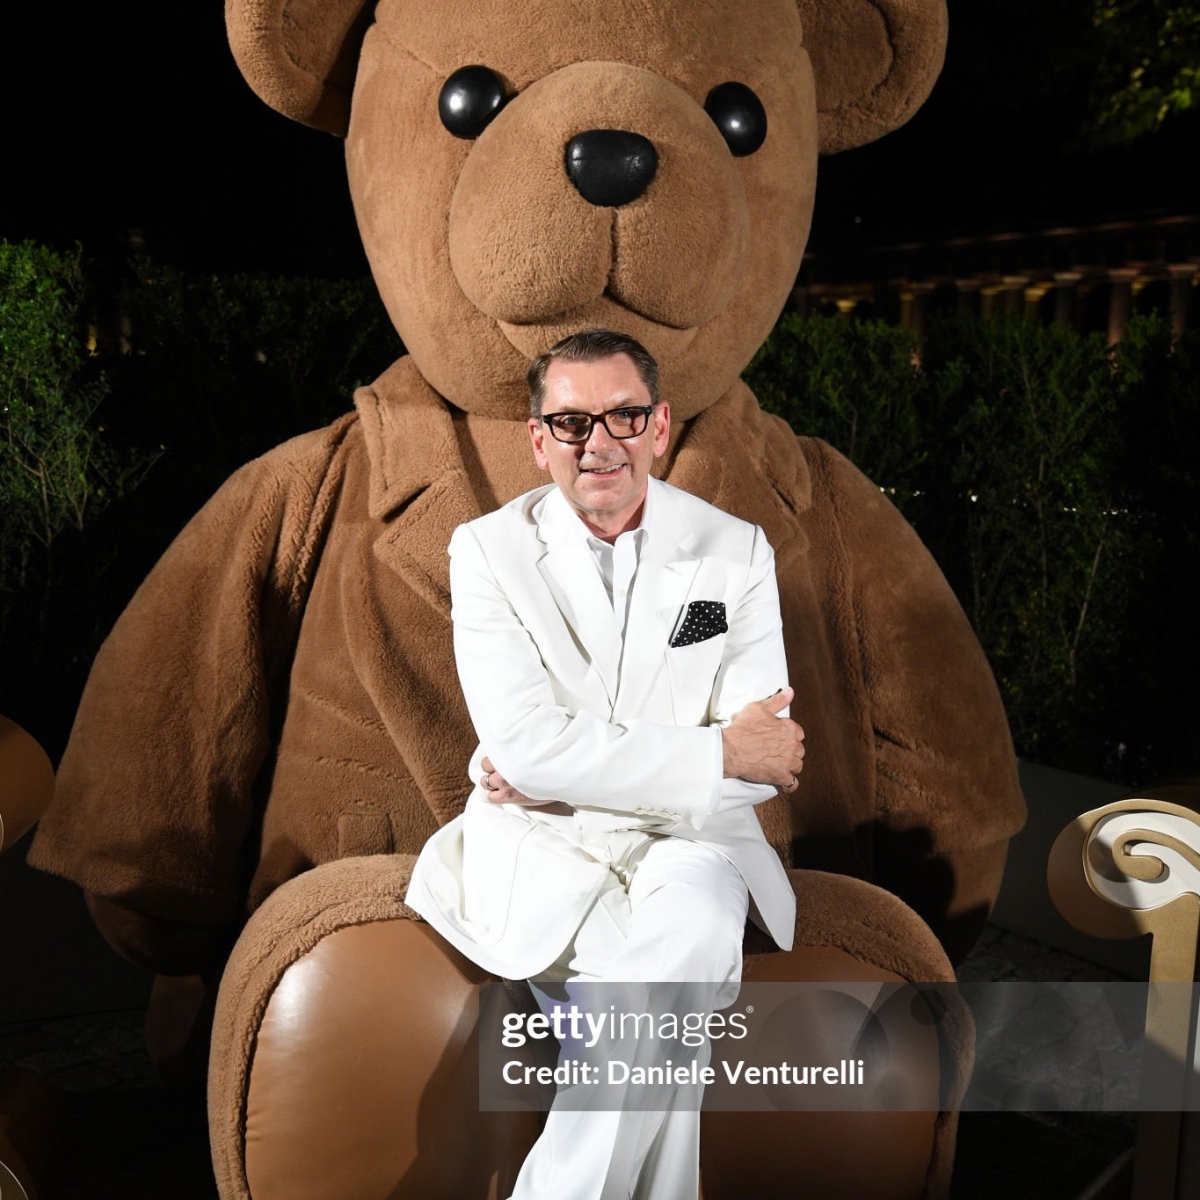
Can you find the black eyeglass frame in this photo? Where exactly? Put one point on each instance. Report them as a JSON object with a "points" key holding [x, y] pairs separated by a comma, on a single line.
{"points": [[644, 409]]}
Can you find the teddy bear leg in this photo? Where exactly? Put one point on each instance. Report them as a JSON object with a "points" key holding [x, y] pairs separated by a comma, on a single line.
{"points": [[896, 1146], [344, 1061], [378, 1079], [837, 1155]]}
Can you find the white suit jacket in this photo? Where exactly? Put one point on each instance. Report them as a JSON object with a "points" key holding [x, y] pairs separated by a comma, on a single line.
{"points": [[629, 739]]}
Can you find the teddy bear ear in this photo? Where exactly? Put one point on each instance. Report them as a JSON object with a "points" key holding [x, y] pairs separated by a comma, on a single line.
{"points": [[300, 56], [875, 62]]}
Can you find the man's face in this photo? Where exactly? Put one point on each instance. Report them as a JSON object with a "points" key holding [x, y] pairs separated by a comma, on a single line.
{"points": [[604, 478]]}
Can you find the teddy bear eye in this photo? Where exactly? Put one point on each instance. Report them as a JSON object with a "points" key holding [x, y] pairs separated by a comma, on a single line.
{"points": [[738, 113], [469, 99]]}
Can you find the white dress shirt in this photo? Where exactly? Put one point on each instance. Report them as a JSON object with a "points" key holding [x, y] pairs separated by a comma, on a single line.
{"points": [[617, 562]]}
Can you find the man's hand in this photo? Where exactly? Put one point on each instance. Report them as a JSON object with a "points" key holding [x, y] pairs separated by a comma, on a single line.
{"points": [[761, 747], [500, 791]]}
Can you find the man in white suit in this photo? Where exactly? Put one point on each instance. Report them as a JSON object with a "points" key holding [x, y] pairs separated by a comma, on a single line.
{"points": [[620, 649]]}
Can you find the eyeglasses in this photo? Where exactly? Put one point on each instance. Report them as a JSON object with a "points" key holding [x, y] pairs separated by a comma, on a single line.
{"points": [[621, 423]]}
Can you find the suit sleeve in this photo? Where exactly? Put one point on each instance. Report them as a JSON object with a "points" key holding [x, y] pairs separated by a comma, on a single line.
{"points": [[753, 664], [541, 748]]}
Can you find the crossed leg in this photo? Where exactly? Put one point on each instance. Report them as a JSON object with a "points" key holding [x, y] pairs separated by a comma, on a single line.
{"points": [[674, 911]]}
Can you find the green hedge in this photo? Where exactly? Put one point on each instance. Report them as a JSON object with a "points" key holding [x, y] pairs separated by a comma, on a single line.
{"points": [[1056, 482], [225, 367]]}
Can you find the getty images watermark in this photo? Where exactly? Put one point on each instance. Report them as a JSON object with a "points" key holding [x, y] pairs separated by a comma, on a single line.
{"points": [[829, 1046], [757, 1046], [585, 1029]]}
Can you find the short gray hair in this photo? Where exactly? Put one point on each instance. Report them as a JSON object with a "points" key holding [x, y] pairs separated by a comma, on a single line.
{"points": [[590, 345]]}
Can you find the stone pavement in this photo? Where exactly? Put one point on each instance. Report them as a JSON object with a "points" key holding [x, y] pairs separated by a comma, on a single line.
{"points": [[1033, 1156]]}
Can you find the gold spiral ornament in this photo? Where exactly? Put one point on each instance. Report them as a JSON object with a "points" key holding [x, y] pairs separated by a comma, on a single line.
{"points": [[1143, 858], [1146, 866]]}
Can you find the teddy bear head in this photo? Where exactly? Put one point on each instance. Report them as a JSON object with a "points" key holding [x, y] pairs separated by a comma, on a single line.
{"points": [[522, 169]]}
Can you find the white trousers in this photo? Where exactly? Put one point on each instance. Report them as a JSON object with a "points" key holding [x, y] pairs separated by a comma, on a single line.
{"points": [[671, 911]]}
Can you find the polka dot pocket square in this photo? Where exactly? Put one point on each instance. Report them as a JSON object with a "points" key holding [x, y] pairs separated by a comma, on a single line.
{"points": [[703, 619]]}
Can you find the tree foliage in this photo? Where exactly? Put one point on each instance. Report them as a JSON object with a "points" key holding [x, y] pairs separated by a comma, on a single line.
{"points": [[855, 384], [1056, 480], [1034, 528], [58, 469], [1078, 75], [1148, 67]]}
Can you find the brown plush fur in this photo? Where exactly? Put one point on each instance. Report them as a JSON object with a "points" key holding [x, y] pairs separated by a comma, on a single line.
{"points": [[510, 256], [875, 60], [875, 927], [281, 691]]}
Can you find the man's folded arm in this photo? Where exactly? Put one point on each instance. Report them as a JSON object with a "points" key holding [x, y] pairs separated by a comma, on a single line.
{"points": [[546, 752], [753, 665], [540, 747]]}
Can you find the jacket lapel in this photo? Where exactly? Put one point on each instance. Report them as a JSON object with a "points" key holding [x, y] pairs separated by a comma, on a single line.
{"points": [[569, 569], [419, 486], [746, 461], [665, 574]]}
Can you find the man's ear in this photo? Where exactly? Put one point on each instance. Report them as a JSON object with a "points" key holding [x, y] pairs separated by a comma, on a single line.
{"points": [[875, 62], [300, 56], [538, 435], [662, 428]]}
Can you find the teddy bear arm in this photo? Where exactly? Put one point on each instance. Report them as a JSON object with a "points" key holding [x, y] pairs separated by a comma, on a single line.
{"points": [[155, 809], [947, 798]]}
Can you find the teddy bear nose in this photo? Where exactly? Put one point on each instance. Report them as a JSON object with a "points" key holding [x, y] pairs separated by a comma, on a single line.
{"points": [[610, 167]]}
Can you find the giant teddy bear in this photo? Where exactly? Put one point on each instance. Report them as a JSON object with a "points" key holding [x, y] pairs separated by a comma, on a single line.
{"points": [[280, 693]]}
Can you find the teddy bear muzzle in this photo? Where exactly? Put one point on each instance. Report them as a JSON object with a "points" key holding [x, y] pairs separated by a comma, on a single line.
{"points": [[603, 193]]}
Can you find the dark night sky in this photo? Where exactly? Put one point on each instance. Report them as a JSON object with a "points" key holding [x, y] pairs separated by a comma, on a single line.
{"points": [[125, 117]]}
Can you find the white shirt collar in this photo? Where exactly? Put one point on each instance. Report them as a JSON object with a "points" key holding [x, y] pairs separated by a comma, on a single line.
{"points": [[558, 508]]}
